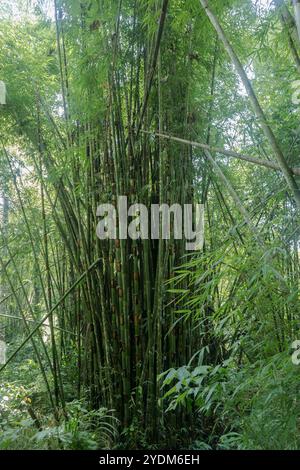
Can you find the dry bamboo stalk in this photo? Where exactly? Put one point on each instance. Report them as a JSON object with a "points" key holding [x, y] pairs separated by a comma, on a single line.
{"points": [[229, 153]]}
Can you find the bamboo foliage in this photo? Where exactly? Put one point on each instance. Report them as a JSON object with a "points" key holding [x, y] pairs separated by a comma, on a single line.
{"points": [[125, 125]]}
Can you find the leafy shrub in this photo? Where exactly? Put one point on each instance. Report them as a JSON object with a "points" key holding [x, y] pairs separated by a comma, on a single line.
{"points": [[82, 429], [253, 407]]}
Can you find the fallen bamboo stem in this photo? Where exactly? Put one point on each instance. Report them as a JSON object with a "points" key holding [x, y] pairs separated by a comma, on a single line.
{"points": [[229, 153]]}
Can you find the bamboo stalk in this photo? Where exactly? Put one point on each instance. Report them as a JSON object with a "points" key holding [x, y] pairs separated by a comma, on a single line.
{"points": [[229, 153], [296, 4], [57, 304]]}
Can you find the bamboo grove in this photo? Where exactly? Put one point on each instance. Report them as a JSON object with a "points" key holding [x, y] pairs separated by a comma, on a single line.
{"points": [[154, 100]]}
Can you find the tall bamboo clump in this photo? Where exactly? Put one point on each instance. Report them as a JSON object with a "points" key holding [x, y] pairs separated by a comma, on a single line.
{"points": [[119, 69], [122, 314]]}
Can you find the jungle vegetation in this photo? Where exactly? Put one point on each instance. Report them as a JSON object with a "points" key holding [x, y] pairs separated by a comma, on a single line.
{"points": [[136, 344]]}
